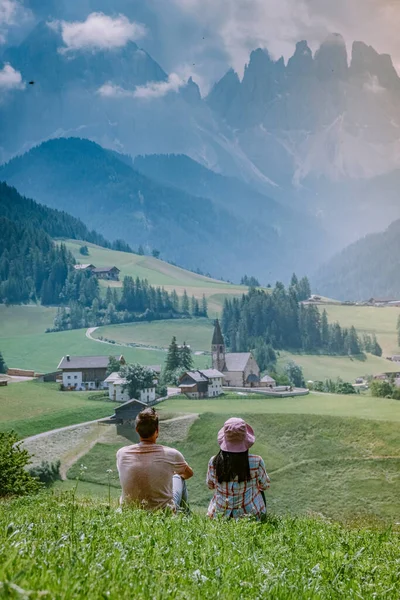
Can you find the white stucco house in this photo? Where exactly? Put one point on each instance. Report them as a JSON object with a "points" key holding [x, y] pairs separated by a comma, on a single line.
{"points": [[116, 393]]}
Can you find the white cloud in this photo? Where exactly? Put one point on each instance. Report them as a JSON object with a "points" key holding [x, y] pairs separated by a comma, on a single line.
{"points": [[239, 26], [10, 79], [157, 89], [152, 89], [12, 12], [98, 32]]}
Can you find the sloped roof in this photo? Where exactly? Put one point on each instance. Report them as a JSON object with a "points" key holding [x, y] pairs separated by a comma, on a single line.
{"points": [[104, 269], [79, 267], [267, 379], [237, 361], [211, 373], [197, 376], [86, 362], [217, 339], [116, 379], [132, 402]]}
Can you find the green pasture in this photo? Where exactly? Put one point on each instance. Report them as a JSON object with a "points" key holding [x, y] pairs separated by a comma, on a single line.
{"points": [[158, 273], [318, 367], [340, 467], [369, 319], [56, 546], [336, 405], [32, 407], [195, 332]]}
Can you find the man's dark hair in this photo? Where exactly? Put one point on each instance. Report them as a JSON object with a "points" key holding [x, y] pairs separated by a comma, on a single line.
{"points": [[229, 465], [147, 423]]}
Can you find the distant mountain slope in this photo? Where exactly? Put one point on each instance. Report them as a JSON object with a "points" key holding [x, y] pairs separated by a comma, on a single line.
{"points": [[292, 224], [367, 268], [96, 186], [55, 223], [232, 194]]}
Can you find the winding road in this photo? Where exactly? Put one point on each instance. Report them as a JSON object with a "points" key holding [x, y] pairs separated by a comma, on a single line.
{"points": [[91, 330]]}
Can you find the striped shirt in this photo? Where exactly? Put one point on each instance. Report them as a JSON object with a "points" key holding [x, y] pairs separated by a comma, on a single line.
{"points": [[236, 499]]}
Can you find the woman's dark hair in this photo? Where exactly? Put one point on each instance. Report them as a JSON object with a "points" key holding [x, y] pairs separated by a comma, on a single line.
{"points": [[229, 465]]}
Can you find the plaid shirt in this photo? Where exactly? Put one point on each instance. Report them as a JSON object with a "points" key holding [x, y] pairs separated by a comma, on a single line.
{"points": [[234, 499]]}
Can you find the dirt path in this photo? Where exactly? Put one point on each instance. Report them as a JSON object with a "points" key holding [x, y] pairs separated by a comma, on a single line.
{"points": [[91, 330], [70, 444]]}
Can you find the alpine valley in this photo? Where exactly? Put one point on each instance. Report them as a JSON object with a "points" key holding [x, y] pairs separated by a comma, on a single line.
{"points": [[268, 173]]}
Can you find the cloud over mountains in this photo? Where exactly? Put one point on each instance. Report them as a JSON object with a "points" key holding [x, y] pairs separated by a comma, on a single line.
{"points": [[98, 32]]}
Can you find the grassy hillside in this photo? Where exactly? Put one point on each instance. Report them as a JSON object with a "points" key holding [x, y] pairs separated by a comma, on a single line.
{"points": [[337, 405], [196, 332], [42, 352], [320, 367], [134, 554], [31, 407], [370, 319], [306, 457], [159, 273]]}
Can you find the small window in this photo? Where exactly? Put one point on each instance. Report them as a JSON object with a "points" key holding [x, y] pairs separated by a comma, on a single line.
{"points": [[69, 377], [75, 376]]}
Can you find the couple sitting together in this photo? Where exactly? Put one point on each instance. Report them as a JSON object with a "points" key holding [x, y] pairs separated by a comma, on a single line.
{"points": [[154, 476]]}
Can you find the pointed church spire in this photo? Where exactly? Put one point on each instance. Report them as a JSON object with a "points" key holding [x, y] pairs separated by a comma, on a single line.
{"points": [[217, 339]]}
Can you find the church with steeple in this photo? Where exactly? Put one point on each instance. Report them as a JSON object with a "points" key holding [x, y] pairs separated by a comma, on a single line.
{"points": [[240, 369]]}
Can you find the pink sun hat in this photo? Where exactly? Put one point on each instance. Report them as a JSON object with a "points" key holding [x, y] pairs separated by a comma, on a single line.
{"points": [[236, 436]]}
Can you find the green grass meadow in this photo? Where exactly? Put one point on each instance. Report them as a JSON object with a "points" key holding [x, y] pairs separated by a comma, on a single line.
{"points": [[195, 332], [369, 319], [31, 407], [90, 550], [158, 273], [320, 367], [340, 467]]}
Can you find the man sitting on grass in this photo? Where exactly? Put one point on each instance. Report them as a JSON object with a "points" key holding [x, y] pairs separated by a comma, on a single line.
{"points": [[152, 476]]}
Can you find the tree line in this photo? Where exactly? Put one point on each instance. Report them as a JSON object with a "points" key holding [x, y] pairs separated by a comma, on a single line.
{"points": [[84, 306], [265, 322]]}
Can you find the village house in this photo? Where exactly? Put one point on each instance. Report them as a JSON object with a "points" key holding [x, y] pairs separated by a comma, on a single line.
{"points": [[203, 383], [117, 393], [86, 267], [109, 273], [240, 369], [267, 381], [85, 372]]}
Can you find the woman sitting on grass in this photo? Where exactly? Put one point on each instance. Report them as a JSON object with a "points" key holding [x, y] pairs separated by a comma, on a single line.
{"points": [[237, 477]]}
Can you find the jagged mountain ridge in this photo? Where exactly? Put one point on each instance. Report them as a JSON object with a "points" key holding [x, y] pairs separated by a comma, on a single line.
{"points": [[323, 116]]}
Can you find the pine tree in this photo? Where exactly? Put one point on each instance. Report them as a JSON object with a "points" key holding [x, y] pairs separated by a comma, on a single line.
{"points": [[185, 357], [376, 349], [204, 306], [173, 358], [324, 330], [3, 366], [185, 303]]}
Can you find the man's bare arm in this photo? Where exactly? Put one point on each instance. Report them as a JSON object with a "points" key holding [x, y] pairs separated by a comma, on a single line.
{"points": [[188, 473]]}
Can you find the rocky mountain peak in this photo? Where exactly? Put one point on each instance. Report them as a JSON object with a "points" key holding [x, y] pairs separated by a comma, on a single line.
{"points": [[331, 58], [223, 92], [367, 63], [191, 92], [301, 63]]}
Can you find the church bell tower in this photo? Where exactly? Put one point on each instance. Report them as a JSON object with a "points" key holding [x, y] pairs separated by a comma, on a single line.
{"points": [[218, 348]]}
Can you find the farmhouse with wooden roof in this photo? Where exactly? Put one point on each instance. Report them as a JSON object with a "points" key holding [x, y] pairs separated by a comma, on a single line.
{"points": [[240, 369], [85, 372]]}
